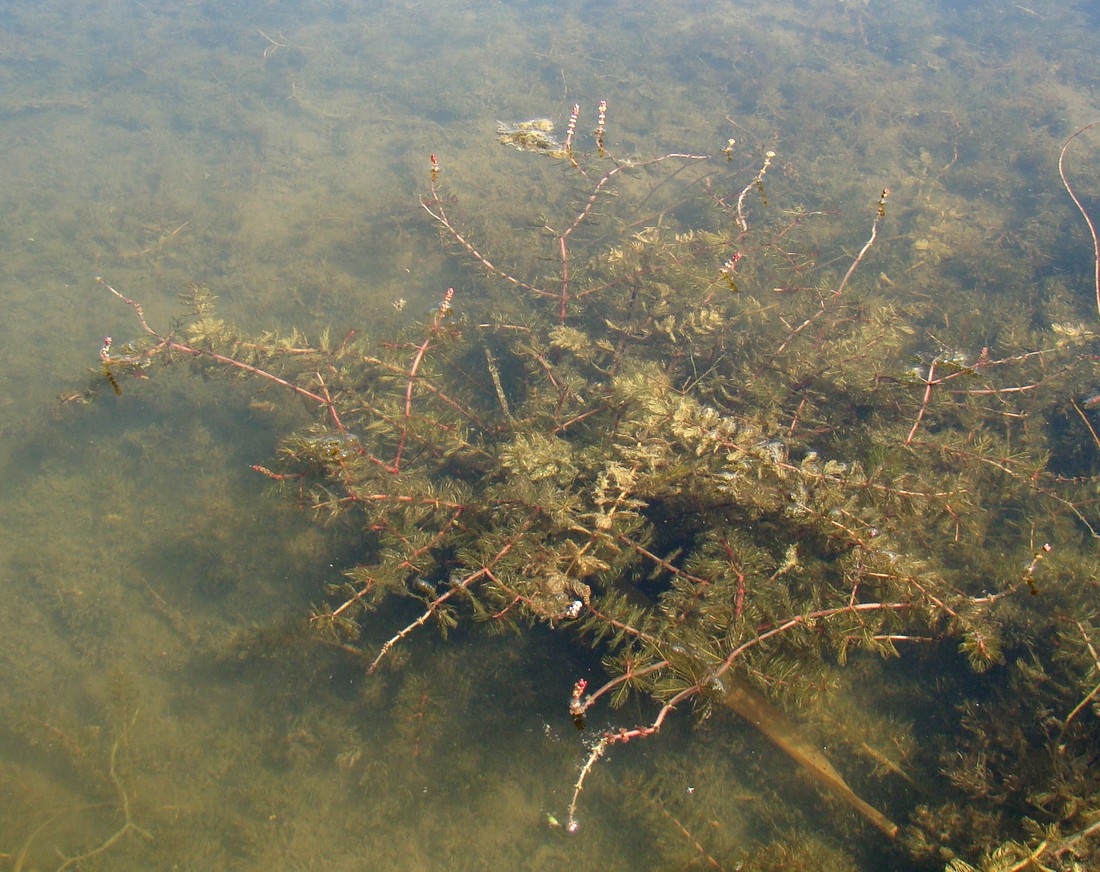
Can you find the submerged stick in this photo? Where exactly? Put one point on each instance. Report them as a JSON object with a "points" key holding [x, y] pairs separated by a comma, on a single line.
{"points": [[785, 735]]}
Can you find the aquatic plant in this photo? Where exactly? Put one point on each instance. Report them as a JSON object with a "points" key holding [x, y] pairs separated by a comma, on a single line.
{"points": [[729, 472]]}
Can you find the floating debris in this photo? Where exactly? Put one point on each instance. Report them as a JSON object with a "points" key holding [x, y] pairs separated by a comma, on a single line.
{"points": [[536, 135]]}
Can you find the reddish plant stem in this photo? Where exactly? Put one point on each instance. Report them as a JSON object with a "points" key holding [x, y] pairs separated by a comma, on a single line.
{"points": [[928, 382], [664, 564], [440, 535], [758, 183], [589, 700], [983, 362], [867, 245], [626, 628], [1029, 477], [624, 735], [368, 586], [167, 343], [434, 330], [436, 209], [466, 413], [418, 717], [576, 420], [331, 405], [440, 215], [735, 565], [1080, 208], [456, 588], [879, 215], [680, 827]]}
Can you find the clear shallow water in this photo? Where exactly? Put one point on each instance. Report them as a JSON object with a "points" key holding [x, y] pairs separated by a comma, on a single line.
{"points": [[159, 683]]}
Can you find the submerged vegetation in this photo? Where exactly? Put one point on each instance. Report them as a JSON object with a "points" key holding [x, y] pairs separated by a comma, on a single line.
{"points": [[162, 676], [751, 466]]}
